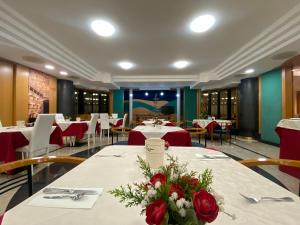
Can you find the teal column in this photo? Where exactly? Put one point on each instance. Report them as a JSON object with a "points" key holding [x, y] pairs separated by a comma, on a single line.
{"points": [[118, 102], [271, 104], [189, 103]]}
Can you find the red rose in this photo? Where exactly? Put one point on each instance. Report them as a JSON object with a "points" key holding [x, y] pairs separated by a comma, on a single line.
{"points": [[158, 177], [155, 212], [176, 188], [205, 206]]}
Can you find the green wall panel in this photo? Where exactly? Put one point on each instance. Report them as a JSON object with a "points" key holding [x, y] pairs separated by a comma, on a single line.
{"points": [[118, 102], [271, 104], [189, 104]]}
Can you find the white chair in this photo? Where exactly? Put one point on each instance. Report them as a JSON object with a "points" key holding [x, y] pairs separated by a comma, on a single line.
{"points": [[59, 117], [103, 115], [0, 124], [114, 115], [92, 128], [124, 121], [40, 136], [104, 125]]}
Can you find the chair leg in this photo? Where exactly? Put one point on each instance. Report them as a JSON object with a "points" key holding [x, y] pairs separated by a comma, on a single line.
{"points": [[89, 140], [199, 139], [221, 138], [107, 136], [94, 139], [112, 138]]}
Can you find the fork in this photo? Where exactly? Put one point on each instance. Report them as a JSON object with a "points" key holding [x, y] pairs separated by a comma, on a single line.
{"points": [[257, 200], [115, 155], [73, 197]]}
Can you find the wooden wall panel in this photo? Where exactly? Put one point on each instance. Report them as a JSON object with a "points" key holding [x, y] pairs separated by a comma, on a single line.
{"points": [[6, 95], [287, 92], [21, 88], [53, 95]]}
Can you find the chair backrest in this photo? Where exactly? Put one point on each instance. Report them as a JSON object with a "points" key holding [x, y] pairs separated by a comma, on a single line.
{"points": [[93, 123], [59, 117], [41, 132], [104, 124], [103, 115], [114, 115], [124, 120], [0, 124]]}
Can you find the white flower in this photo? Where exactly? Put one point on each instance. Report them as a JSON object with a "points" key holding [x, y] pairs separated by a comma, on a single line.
{"points": [[144, 203], [187, 204], [182, 212], [221, 208], [180, 203], [174, 196], [151, 192], [157, 185]]}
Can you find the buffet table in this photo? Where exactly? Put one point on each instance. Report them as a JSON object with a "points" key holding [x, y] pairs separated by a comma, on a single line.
{"points": [[175, 136], [289, 132], [229, 179]]}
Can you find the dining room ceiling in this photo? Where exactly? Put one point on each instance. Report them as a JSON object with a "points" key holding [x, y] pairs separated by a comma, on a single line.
{"points": [[150, 34]]}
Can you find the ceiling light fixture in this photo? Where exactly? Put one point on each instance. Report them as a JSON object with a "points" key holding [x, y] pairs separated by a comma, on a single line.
{"points": [[126, 65], [249, 71], [49, 67], [146, 93], [202, 23], [161, 94], [103, 28], [181, 64], [64, 73], [177, 95]]}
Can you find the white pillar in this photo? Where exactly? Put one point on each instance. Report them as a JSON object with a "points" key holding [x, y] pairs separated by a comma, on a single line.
{"points": [[178, 104], [130, 105]]}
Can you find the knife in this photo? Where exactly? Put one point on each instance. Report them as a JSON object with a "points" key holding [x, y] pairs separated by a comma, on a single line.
{"points": [[68, 191]]}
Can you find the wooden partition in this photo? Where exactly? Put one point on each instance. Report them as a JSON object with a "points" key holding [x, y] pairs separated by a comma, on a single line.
{"points": [[6, 94], [14, 95]]}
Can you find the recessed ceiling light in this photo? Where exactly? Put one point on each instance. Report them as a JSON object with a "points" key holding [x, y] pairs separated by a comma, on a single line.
{"points": [[64, 73], [181, 64], [161, 94], [202, 23], [126, 65], [103, 28], [49, 67], [249, 71], [146, 93]]}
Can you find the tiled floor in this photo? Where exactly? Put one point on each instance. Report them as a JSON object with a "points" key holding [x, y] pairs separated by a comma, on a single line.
{"points": [[239, 149]]}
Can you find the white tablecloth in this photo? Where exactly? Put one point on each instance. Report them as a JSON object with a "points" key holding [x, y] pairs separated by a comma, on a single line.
{"points": [[111, 120], [26, 131], [150, 122], [230, 179], [293, 124], [203, 123], [65, 124], [156, 132]]}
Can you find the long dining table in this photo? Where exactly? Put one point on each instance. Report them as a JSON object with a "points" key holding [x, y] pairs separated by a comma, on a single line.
{"points": [[230, 178]]}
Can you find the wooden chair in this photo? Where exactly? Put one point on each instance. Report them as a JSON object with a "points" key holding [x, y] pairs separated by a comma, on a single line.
{"points": [[28, 163], [276, 162], [198, 132], [117, 131]]}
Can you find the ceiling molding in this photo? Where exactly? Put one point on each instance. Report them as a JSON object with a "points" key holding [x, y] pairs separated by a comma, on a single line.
{"points": [[21, 32], [283, 32], [154, 78]]}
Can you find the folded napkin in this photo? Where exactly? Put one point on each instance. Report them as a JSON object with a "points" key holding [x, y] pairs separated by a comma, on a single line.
{"points": [[86, 202]]}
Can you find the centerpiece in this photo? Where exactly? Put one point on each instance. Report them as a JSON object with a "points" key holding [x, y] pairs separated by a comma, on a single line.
{"points": [[172, 195]]}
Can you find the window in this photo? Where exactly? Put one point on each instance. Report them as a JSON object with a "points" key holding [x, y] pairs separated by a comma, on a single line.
{"points": [[223, 104], [214, 104]]}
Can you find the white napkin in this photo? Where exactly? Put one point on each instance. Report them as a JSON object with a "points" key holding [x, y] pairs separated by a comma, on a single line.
{"points": [[86, 202]]}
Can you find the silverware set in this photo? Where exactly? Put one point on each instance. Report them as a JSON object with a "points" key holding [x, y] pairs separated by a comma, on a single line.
{"points": [[63, 193], [114, 155]]}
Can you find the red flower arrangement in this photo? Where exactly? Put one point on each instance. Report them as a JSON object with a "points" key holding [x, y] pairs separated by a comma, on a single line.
{"points": [[172, 195]]}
